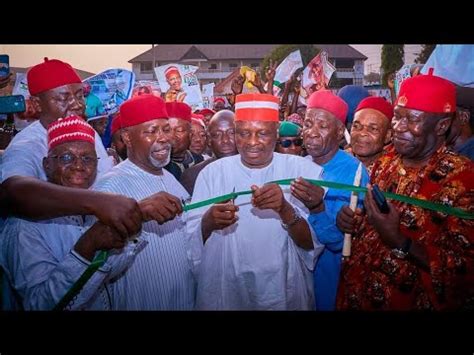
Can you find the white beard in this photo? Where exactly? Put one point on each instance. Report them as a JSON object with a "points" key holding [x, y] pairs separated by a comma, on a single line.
{"points": [[160, 163]]}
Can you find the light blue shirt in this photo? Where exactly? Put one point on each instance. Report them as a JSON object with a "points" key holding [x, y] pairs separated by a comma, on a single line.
{"points": [[40, 263], [342, 169], [161, 276]]}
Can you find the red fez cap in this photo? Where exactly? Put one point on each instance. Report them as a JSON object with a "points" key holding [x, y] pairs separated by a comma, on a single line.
{"points": [[69, 129], [219, 99], [179, 110], [140, 109], [428, 93], [377, 103], [206, 111], [171, 70], [326, 100], [198, 119], [116, 124], [49, 75], [256, 107]]}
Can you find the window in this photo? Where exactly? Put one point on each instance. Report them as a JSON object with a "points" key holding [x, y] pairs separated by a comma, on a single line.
{"points": [[344, 63], [213, 66], [146, 67], [233, 65], [255, 65]]}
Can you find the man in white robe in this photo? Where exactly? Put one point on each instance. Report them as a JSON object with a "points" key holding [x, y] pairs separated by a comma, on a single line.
{"points": [[161, 276], [258, 252], [43, 259]]}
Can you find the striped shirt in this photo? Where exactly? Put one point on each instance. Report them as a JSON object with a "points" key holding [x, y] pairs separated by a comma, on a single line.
{"points": [[161, 276]]}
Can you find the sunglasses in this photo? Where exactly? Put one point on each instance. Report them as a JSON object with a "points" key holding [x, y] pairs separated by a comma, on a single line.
{"points": [[288, 142]]}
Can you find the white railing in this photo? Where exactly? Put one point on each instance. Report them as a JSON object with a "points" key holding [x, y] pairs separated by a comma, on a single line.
{"points": [[345, 70]]}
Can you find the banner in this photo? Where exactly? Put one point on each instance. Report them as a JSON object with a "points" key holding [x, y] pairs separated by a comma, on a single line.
{"points": [[318, 73], [453, 62], [112, 87], [180, 83], [286, 68], [400, 76], [146, 87], [208, 95], [24, 119]]}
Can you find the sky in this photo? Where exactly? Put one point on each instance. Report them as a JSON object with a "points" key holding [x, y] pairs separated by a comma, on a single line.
{"points": [[97, 58], [373, 52]]}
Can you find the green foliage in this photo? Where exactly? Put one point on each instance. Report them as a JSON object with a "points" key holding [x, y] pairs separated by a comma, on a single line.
{"points": [[392, 60]]}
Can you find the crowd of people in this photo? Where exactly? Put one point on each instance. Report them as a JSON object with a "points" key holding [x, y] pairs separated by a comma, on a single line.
{"points": [[276, 241]]}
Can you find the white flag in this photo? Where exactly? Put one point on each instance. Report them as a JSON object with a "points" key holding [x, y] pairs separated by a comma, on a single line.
{"points": [[286, 69]]}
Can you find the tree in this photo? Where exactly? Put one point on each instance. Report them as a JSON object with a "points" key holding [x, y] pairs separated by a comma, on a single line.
{"points": [[392, 60], [308, 52], [426, 50]]}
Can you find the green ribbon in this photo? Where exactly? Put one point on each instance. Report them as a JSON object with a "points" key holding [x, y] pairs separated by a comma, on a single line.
{"points": [[453, 211], [98, 261], [102, 256]]}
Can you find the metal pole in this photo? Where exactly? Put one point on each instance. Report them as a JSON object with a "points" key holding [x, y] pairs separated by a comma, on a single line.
{"points": [[153, 50]]}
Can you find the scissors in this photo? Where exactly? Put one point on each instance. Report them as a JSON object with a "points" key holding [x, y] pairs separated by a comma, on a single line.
{"points": [[183, 201]]}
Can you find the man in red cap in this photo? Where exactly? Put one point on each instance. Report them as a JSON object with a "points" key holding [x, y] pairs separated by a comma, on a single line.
{"points": [[175, 92], [198, 136], [257, 252], [44, 259], [220, 139], [56, 91], [323, 129], [160, 277], [117, 143], [419, 258], [207, 113], [371, 130], [180, 122], [219, 104]]}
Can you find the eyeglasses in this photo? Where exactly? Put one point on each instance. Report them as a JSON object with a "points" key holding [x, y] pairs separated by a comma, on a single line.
{"points": [[288, 142], [68, 159]]}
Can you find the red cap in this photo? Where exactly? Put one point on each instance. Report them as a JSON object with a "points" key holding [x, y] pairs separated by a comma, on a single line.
{"points": [[198, 119], [140, 109], [116, 124], [70, 129], [326, 100], [171, 70], [256, 107], [206, 111], [427, 93], [179, 110], [49, 75], [377, 103], [219, 99]]}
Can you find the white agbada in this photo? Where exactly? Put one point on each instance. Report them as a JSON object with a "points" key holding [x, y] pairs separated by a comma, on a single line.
{"points": [[253, 264]]}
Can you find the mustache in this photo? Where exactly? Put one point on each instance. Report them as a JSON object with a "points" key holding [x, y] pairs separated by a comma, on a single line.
{"points": [[160, 146]]}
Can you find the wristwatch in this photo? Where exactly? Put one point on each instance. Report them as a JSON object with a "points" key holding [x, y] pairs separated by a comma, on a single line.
{"points": [[294, 220], [402, 252]]}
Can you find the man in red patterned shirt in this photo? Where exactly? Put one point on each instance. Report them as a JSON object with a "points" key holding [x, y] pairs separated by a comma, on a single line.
{"points": [[413, 258]]}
